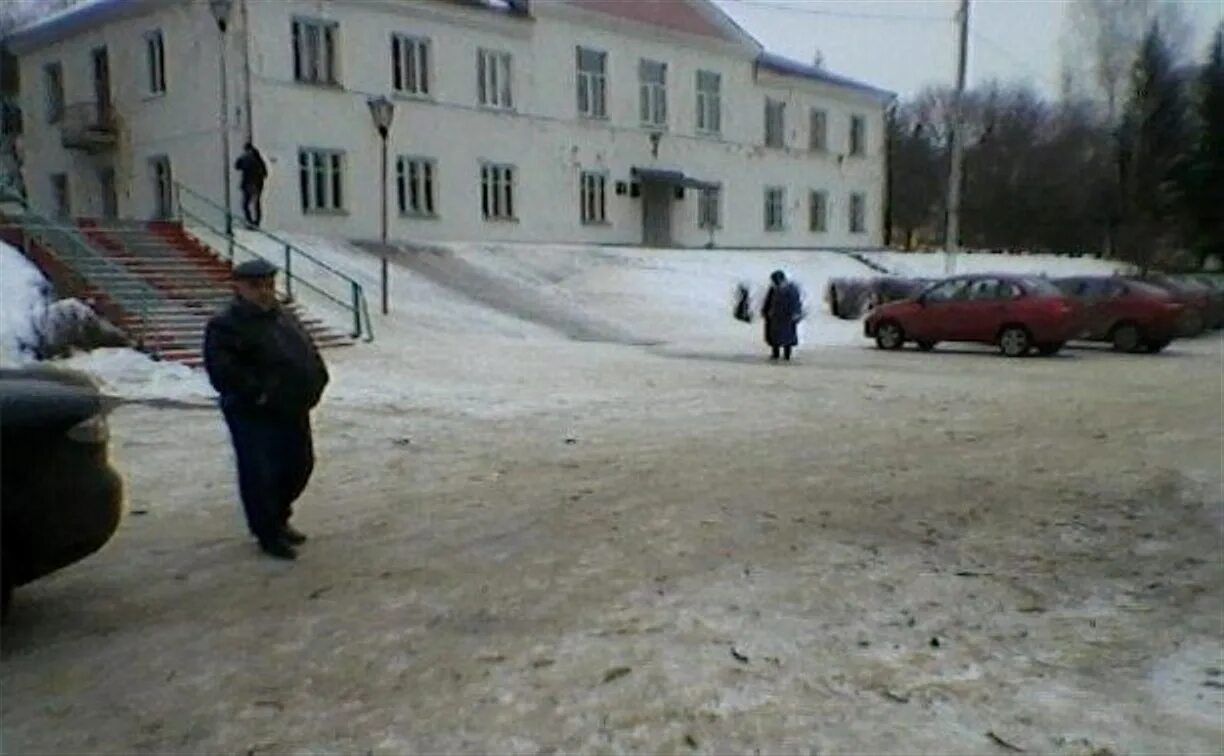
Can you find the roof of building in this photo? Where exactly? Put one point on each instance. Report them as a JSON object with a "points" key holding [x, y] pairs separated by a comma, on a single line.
{"points": [[677, 15], [788, 67]]}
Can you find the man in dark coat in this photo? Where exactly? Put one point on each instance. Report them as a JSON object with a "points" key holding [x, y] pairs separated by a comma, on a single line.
{"points": [[782, 311], [270, 376], [254, 171]]}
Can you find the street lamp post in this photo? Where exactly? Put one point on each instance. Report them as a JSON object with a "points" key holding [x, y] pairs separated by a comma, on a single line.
{"points": [[382, 110], [221, 13]]}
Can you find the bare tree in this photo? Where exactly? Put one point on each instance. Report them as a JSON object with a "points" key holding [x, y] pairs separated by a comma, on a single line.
{"points": [[1101, 39]]}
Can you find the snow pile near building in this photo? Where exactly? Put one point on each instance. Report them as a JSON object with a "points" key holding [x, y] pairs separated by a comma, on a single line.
{"points": [[130, 374], [23, 297]]}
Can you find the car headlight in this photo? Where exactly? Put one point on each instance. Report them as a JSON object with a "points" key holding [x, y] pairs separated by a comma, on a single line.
{"points": [[95, 430]]}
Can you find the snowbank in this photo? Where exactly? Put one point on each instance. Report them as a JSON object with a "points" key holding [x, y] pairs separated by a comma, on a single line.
{"points": [[932, 264], [130, 374], [23, 295]]}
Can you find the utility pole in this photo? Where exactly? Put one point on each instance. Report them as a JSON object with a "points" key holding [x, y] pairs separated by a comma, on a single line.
{"points": [[952, 232]]}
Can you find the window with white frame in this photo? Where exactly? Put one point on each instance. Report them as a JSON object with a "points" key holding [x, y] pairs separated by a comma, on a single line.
{"points": [[155, 57], [493, 72], [858, 135], [709, 102], [593, 197], [652, 98], [858, 213], [497, 191], [53, 78], [709, 214], [316, 51], [818, 211], [819, 135], [775, 208], [775, 123], [415, 179], [410, 64], [321, 180], [59, 195], [163, 186], [592, 83]]}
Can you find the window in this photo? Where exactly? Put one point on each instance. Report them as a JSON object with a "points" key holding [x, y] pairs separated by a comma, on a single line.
{"points": [[858, 135], [409, 64], [497, 191], [414, 180], [652, 77], [592, 83], [858, 213], [493, 79], [59, 195], [819, 141], [948, 291], [163, 186], [775, 208], [53, 74], [818, 212], [593, 199], [155, 51], [775, 123], [315, 51], [708, 215], [709, 102], [321, 180]]}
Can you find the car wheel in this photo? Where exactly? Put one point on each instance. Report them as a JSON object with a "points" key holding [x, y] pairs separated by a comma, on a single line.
{"points": [[1014, 341], [889, 335], [1049, 350], [926, 346], [1126, 338]]}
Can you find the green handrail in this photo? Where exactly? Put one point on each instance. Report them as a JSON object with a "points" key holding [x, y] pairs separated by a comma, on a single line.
{"points": [[362, 324]]}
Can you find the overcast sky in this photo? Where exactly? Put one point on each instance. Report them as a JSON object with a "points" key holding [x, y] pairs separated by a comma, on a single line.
{"points": [[904, 45]]}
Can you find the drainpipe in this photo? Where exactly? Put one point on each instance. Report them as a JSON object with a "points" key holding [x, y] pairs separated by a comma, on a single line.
{"points": [[246, 72]]}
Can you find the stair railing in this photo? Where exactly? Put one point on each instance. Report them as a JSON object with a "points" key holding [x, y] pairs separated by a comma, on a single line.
{"points": [[327, 282]]}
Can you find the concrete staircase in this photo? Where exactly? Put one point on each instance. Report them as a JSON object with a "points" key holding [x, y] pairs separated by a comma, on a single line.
{"points": [[154, 281]]}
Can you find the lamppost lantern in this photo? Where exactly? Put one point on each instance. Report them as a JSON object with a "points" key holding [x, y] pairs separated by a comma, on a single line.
{"points": [[221, 12], [382, 110]]}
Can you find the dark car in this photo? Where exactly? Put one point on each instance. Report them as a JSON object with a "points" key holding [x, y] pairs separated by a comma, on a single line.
{"points": [[1201, 312], [1016, 313], [850, 298], [1132, 315], [60, 499]]}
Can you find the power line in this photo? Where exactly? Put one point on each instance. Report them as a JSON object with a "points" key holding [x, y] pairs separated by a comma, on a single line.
{"points": [[1014, 58], [773, 6]]}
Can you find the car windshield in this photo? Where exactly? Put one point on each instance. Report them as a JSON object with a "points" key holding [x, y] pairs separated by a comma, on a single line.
{"points": [[1041, 287]]}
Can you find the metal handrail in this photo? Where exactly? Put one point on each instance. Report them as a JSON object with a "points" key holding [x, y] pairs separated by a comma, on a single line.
{"points": [[359, 306], [41, 228]]}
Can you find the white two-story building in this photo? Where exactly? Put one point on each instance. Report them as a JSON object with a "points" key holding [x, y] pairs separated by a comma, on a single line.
{"points": [[656, 122]]}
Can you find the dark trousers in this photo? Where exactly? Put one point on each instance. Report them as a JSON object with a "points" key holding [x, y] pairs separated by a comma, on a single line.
{"points": [[786, 352], [252, 207], [275, 460]]}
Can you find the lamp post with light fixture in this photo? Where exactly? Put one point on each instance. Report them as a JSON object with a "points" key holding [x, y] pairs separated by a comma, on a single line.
{"points": [[382, 110]]}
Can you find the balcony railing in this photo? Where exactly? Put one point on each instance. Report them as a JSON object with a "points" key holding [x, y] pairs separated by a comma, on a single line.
{"points": [[89, 126]]}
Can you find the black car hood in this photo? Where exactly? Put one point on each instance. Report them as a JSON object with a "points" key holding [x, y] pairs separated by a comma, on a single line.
{"points": [[32, 399]]}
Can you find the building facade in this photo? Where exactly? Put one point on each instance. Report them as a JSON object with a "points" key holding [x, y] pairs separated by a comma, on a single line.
{"points": [[656, 122]]}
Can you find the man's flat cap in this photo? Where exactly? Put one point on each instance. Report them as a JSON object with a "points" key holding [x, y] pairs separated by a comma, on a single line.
{"points": [[254, 269]]}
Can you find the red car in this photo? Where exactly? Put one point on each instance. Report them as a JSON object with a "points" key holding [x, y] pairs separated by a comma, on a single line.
{"points": [[1132, 315], [1017, 313]]}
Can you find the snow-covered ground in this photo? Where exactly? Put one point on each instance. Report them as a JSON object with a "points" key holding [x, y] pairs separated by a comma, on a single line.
{"points": [[673, 301], [933, 264], [23, 295]]}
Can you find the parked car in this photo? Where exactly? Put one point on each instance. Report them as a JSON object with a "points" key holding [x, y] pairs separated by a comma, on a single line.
{"points": [[1201, 311], [851, 298], [60, 498], [1132, 315], [1016, 313], [1213, 286]]}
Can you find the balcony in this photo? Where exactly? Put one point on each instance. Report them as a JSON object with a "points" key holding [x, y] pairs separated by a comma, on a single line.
{"points": [[89, 126]]}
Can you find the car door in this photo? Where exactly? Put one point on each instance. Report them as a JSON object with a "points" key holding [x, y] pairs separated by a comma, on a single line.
{"points": [[987, 307], [939, 314]]}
